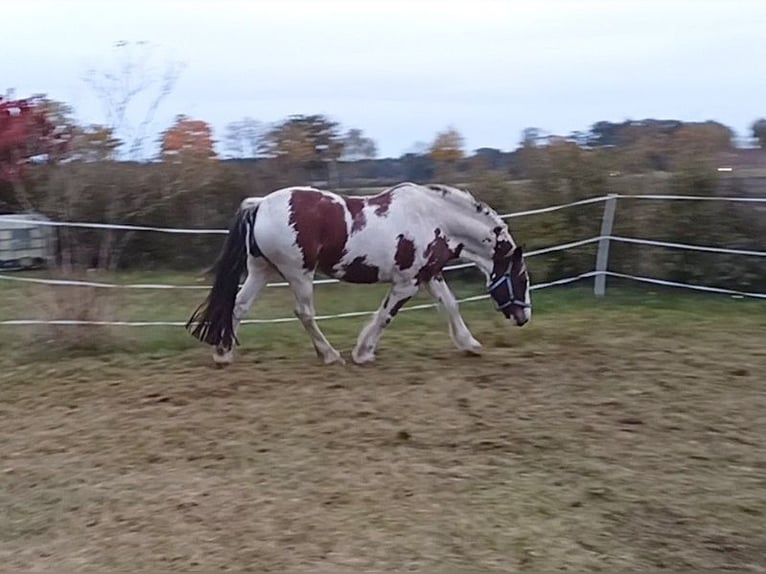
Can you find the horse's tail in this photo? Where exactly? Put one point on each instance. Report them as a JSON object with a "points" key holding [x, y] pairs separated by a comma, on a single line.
{"points": [[214, 317]]}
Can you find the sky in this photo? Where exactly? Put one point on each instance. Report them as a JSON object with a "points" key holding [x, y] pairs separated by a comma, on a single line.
{"points": [[402, 70]]}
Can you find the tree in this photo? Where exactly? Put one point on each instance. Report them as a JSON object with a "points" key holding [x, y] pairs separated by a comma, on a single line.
{"points": [[68, 140], [244, 138], [658, 144], [694, 142], [487, 158], [646, 145], [529, 155], [643, 144], [759, 131], [93, 143], [447, 146], [187, 140], [308, 142], [129, 82], [28, 130], [417, 167], [604, 134], [290, 142], [357, 147], [131, 90], [532, 137]]}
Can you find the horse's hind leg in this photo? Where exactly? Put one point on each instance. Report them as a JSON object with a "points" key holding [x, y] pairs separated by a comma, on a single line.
{"points": [[303, 290], [459, 333], [258, 274]]}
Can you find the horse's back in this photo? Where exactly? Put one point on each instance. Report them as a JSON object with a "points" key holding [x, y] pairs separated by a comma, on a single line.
{"points": [[355, 238]]}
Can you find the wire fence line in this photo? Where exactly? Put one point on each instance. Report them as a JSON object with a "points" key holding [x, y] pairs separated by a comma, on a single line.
{"points": [[419, 307], [101, 284], [736, 199], [532, 253], [549, 209], [685, 246], [203, 231], [554, 248], [349, 314], [692, 286]]}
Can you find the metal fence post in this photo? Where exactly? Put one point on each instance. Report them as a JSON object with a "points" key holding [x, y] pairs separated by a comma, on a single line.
{"points": [[602, 257]]}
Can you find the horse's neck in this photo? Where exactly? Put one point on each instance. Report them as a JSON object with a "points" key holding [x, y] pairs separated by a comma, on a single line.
{"points": [[464, 224], [467, 229], [461, 217]]}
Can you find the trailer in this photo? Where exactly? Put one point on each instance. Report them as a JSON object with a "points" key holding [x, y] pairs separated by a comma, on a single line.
{"points": [[24, 244]]}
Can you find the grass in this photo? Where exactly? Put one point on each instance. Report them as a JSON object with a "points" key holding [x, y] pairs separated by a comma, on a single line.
{"points": [[31, 301], [615, 435]]}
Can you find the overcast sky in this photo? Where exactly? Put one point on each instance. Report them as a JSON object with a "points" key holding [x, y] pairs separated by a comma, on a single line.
{"points": [[402, 70]]}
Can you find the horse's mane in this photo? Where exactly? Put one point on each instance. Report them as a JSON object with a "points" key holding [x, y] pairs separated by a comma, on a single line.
{"points": [[465, 197]]}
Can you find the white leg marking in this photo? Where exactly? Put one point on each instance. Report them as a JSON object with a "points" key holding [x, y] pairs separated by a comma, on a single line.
{"points": [[364, 351], [303, 290], [461, 336]]}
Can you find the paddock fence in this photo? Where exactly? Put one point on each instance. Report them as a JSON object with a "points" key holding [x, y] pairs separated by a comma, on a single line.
{"points": [[599, 274]]}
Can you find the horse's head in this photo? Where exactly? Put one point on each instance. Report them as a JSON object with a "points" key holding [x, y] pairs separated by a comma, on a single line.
{"points": [[486, 241], [509, 280]]}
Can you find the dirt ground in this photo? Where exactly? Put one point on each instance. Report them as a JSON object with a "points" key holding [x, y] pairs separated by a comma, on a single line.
{"points": [[617, 447]]}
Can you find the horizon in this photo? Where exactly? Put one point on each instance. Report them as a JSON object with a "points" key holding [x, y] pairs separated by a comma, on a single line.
{"points": [[402, 71]]}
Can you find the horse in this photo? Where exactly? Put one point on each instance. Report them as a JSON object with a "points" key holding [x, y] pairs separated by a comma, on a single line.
{"points": [[403, 235]]}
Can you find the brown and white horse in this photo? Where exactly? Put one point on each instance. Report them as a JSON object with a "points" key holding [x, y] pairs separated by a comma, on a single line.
{"points": [[404, 236]]}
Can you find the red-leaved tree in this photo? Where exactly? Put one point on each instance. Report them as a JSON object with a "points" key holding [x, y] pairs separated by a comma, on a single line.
{"points": [[27, 133]]}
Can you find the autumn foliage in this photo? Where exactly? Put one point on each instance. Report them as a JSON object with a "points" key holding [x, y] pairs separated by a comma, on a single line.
{"points": [[447, 146], [187, 139], [26, 132]]}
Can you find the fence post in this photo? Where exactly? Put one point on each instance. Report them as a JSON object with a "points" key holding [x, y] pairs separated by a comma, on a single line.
{"points": [[602, 257]]}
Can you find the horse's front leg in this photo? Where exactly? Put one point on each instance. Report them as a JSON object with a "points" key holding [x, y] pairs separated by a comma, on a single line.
{"points": [[364, 351], [303, 290], [459, 333]]}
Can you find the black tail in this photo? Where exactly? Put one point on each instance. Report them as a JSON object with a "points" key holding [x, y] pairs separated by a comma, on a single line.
{"points": [[213, 318]]}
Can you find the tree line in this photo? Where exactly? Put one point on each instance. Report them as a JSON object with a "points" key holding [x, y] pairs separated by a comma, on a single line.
{"points": [[53, 164]]}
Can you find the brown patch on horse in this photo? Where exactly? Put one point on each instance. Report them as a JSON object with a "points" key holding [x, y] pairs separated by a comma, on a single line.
{"points": [[437, 253], [320, 229], [518, 271], [355, 206], [405, 252], [382, 202], [398, 305], [358, 271], [501, 257]]}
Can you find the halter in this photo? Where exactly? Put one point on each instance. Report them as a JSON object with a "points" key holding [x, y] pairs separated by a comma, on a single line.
{"points": [[506, 279]]}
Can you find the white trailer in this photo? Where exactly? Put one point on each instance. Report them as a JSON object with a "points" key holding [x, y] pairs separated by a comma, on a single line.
{"points": [[25, 245]]}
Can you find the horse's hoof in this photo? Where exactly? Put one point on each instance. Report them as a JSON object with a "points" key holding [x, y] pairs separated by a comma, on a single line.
{"points": [[335, 360], [363, 355], [223, 357], [364, 359], [474, 351]]}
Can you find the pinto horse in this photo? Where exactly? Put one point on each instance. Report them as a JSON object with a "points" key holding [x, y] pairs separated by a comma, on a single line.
{"points": [[404, 236]]}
